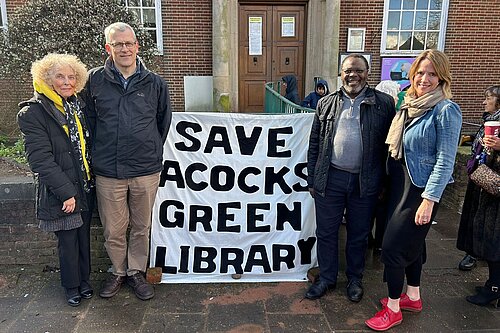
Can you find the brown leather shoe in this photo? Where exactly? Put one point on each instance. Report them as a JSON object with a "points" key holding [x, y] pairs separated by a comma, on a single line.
{"points": [[111, 286], [143, 290]]}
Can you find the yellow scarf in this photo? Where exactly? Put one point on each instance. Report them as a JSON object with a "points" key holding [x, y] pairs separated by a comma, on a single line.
{"points": [[42, 88]]}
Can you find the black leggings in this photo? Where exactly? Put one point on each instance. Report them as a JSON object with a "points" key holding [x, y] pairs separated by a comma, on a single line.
{"points": [[395, 277], [494, 273]]}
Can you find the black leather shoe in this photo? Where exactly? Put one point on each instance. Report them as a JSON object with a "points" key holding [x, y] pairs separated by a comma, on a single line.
{"points": [[319, 289], [86, 290], [112, 285], [73, 296], [355, 290], [467, 263], [485, 296]]}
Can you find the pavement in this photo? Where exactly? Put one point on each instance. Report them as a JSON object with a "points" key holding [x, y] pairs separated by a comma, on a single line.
{"points": [[33, 301]]}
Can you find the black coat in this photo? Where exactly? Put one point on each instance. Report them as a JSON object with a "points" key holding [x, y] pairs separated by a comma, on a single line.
{"points": [[376, 113], [128, 126], [479, 230], [51, 157]]}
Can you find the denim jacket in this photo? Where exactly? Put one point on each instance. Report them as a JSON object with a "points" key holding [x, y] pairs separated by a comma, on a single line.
{"points": [[430, 147]]}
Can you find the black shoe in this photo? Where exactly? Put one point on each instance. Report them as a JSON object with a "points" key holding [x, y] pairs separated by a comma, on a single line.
{"points": [[142, 289], [73, 296], [111, 286], [485, 296], [86, 290], [487, 285], [319, 289], [467, 263], [355, 290]]}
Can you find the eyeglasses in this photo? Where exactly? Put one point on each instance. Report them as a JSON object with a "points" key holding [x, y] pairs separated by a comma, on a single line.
{"points": [[350, 71], [120, 45]]}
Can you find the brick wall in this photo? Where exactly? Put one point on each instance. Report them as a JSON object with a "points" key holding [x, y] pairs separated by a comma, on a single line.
{"points": [[471, 44], [187, 40], [23, 243]]}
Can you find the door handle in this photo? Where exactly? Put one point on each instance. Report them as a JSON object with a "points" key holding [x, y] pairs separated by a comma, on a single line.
{"points": [[287, 61], [255, 61]]}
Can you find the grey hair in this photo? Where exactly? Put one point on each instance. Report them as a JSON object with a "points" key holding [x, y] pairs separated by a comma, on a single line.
{"points": [[120, 26]]}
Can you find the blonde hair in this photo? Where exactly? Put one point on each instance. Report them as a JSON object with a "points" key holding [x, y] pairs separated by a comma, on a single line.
{"points": [[44, 69], [441, 65]]}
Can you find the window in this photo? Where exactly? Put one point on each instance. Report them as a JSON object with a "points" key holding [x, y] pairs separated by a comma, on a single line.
{"points": [[149, 14], [411, 26], [3, 15]]}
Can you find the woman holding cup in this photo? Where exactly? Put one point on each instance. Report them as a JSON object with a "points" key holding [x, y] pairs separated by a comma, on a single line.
{"points": [[479, 230]]}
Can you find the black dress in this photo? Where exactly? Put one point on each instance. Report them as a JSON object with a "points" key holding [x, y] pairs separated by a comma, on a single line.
{"points": [[404, 241]]}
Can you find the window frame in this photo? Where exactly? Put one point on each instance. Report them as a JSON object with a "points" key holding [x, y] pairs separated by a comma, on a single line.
{"points": [[158, 22], [3, 8], [442, 32]]}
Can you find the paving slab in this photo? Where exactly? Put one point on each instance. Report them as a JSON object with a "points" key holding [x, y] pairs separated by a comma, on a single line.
{"points": [[33, 301]]}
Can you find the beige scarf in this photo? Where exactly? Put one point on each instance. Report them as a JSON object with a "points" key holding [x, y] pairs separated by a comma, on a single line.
{"points": [[413, 107]]}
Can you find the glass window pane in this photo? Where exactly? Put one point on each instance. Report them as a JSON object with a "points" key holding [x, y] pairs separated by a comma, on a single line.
{"points": [[149, 18], [421, 21], [134, 3], [422, 4], [148, 3], [408, 4], [432, 40], [407, 21], [395, 4], [152, 33], [436, 4], [391, 42], [434, 19], [137, 14], [393, 21], [405, 41], [418, 41]]}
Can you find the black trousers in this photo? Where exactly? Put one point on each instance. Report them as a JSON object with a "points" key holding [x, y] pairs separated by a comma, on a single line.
{"points": [[74, 250]]}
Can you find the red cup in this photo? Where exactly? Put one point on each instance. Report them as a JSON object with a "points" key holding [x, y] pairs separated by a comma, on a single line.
{"points": [[492, 128]]}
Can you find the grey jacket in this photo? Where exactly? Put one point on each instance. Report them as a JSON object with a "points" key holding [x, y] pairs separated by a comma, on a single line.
{"points": [[376, 113]]}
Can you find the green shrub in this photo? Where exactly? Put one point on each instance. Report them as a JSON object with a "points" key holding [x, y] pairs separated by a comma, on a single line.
{"points": [[14, 150]]}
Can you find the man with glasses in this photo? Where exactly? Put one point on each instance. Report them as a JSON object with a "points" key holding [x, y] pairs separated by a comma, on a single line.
{"points": [[346, 160], [128, 110]]}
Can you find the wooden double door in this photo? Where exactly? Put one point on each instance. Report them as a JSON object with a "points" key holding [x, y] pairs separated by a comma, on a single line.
{"points": [[270, 46]]}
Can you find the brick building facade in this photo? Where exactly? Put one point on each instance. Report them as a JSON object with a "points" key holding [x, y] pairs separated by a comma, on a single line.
{"points": [[191, 43]]}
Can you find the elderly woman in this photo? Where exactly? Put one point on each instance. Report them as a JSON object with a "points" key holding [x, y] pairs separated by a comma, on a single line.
{"points": [[423, 141], [56, 139], [479, 231]]}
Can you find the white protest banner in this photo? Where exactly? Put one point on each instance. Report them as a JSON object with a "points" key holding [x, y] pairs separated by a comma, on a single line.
{"points": [[233, 198]]}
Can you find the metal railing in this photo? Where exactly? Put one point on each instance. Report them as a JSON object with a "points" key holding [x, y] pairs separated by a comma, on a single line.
{"points": [[275, 103]]}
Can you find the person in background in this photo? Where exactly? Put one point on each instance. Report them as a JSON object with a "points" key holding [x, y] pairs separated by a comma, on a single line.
{"points": [[129, 113], [379, 218], [289, 82], [423, 142], [56, 143], [479, 229], [346, 167], [320, 91]]}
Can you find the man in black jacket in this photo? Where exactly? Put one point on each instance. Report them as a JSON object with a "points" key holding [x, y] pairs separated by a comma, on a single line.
{"points": [[345, 169], [128, 109]]}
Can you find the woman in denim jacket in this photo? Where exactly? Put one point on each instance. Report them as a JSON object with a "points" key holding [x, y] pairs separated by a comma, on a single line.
{"points": [[423, 141]]}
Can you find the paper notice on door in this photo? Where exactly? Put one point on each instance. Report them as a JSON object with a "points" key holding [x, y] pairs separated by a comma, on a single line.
{"points": [[287, 26], [255, 35]]}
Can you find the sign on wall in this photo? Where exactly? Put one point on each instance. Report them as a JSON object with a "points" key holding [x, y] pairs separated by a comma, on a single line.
{"points": [[255, 35], [397, 69], [233, 198]]}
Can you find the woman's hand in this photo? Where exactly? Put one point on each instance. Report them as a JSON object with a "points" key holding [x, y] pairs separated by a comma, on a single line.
{"points": [[69, 205], [491, 141], [424, 211]]}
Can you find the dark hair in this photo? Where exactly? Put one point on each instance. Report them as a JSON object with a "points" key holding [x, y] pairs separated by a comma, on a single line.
{"points": [[358, 56]]}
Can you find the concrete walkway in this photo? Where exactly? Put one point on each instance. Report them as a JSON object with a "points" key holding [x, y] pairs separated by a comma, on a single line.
{"points": [[33, 301]]}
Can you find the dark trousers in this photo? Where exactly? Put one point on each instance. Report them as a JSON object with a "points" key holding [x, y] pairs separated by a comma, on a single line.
{"points": [[342, 193], [74, 250]]}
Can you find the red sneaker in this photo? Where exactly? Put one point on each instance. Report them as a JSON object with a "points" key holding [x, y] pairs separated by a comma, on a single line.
{"points": [[384, 319], [405, 303]]}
